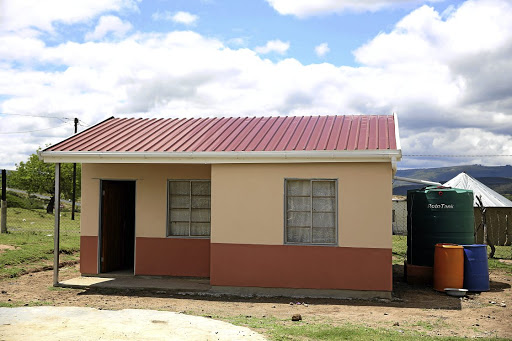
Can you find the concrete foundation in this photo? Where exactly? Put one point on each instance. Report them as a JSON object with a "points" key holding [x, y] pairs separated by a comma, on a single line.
{"points": [[202, 285], [311, 293]]}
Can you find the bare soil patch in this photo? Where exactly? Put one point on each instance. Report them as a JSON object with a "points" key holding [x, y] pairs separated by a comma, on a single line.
{"points": [[413, 308], [6, 247]]}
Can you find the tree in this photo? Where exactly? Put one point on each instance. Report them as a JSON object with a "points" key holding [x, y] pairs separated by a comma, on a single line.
{"points": [[35, 176]]}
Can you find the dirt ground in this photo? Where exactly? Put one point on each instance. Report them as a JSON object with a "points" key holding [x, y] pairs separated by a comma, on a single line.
{"points": [[413, 308]]}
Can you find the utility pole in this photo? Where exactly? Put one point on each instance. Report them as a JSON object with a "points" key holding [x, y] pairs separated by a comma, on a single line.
{"points": [[3, 222], [74, 182]]}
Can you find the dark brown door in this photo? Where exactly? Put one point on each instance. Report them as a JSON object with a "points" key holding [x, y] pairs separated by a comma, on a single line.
{"points": [[117, 225]]}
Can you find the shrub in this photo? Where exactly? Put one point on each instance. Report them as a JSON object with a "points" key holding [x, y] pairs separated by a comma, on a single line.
{"points": [[21, 201]]}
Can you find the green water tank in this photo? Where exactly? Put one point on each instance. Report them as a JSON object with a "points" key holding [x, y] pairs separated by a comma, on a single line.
{"points": [[437, 214]]}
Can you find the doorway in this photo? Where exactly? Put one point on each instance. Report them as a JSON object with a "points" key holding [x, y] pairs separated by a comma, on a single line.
{"points": [[117, 230]]}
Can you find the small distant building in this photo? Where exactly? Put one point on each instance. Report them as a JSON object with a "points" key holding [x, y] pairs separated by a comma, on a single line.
{"points": [[499, 209]]}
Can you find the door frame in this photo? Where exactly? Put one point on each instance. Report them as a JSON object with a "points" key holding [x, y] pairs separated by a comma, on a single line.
{"points": [[100, 219]]}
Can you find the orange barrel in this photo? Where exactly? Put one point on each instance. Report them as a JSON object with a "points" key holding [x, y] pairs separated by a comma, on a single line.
{"points": [[448, 266]]}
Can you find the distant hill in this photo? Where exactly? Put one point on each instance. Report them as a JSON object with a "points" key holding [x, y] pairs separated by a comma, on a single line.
{"points": [[499, 178]]}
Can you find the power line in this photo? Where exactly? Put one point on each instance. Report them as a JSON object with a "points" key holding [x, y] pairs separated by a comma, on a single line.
{"points": [[30, 131], [82, 123], [63, 119], [41, 116], [461, 155]]}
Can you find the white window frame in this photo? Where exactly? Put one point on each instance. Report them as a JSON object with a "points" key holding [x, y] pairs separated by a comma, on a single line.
{"points": [[336, 214], [168, 215]]}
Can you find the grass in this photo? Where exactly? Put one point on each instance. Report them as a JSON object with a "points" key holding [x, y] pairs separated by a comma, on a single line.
{"points": [[431, 326], [278, 329], [502, 252], [286, 330], [399, 249], [30, 232], [14, 304]]}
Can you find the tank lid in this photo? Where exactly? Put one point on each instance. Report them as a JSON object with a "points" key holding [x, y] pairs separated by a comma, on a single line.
{"points": [[449, 246], [428, 189]]}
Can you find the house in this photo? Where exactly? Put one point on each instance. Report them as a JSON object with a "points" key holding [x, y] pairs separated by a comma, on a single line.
{"points": [[498, 209], [252, 202]]}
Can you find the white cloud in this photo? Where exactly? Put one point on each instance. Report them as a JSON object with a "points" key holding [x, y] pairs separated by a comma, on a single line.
{"points": [[239, 41], [184, 18], [20, 48], [305, 8], [423, 36], [277, 46], [450, 99], [322, 49], [42, 15], [180, 17], [109, 24], [467, 54]]}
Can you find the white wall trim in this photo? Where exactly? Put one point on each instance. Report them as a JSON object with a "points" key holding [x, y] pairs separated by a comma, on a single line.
{"points": [[222, 157]]}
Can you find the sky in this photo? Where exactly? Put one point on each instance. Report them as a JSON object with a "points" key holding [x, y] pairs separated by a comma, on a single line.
{"points": [[444, 67]]}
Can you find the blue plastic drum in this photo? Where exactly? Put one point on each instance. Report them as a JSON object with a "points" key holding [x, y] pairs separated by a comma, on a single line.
{"points": [[476, 268]]}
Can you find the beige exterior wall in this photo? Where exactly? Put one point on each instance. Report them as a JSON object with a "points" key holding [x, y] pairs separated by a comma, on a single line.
{"points": [[248, 202], [150, 188], [248, 199]]}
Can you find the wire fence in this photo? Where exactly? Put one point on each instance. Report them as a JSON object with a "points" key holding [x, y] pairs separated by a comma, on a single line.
{"points": [[399, 217], [39, 221], [27, 213]]}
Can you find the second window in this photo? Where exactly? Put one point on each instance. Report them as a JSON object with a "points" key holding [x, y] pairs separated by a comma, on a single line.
{"points": [[189, 208], [311, 211]]}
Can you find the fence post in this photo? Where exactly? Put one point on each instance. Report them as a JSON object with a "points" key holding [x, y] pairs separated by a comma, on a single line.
{"points": [[508, 232], [3, 222], [56, 233]]}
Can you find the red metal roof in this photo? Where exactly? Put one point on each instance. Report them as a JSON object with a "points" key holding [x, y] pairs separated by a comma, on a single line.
{"points": [[282, 133]]}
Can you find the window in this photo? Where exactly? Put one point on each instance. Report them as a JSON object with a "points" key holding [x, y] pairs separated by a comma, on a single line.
{"points": [[311, 211], [189, 208]]}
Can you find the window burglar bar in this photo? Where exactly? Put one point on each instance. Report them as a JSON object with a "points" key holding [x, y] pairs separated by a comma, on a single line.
{"points": [[189, 208], [311, 211]]}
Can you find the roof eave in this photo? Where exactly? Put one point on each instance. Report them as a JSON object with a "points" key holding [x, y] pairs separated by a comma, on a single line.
{"points": [[222, 157]]}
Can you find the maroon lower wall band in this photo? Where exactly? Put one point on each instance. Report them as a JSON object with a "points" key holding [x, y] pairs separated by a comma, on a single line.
{"points": [[247, 265], [172, 257], [89, 255], [290, 266]]}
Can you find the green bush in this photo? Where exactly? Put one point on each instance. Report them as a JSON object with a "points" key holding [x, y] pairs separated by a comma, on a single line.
{"points": [[21, 201], [14, 200]]}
